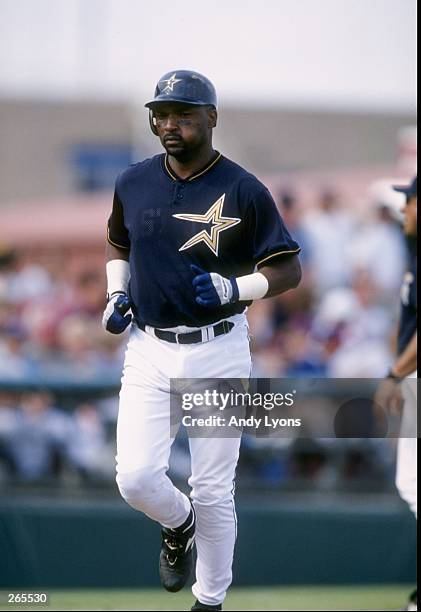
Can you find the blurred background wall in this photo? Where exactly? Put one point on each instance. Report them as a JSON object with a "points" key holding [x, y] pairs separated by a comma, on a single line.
{"points": [[84, 144]]}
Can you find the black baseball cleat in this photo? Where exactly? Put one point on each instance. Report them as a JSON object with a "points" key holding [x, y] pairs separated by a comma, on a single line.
{"points": [[176, 558], [200, 606], [412, 602]]}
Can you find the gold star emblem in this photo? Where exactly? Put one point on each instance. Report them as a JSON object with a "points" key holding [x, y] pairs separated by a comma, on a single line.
{"points": [[170, 83], [219, 224]]}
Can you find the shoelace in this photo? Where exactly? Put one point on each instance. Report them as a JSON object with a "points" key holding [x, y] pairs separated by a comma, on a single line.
{"points": [[174, 546]]}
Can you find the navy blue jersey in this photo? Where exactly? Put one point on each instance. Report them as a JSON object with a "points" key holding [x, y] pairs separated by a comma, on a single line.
{"points": [[221, 219], [408, 318]]}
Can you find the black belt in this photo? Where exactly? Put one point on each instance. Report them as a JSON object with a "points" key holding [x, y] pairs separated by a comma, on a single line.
{"points": [[224, 327]]}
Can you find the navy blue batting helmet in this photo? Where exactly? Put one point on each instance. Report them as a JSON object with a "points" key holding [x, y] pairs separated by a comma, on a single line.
{"points": [[184, 86], [410, 190]]}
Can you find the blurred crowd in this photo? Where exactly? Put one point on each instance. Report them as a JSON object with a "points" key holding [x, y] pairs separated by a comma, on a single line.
{"points": [[50, 318], [340, 322], [43, 444]]}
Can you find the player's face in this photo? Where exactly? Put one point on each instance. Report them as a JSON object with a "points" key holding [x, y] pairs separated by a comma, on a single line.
{"points": [[183, 128], [410, 217]]}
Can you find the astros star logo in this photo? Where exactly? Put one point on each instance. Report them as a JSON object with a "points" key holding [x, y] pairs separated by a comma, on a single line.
{"points": [[219, 224], [170, 83]]}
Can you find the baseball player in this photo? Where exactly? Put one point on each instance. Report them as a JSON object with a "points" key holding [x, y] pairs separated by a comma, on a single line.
{"points": [[391, 393], [193, 239]]}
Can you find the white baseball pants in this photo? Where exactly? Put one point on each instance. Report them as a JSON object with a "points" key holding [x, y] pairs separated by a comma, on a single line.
{"points": [[143, 447], [406, 466]]}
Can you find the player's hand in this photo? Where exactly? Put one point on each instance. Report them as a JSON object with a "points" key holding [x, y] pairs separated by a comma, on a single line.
{"points": [[212, 289], [388, 397], [115, 319]]}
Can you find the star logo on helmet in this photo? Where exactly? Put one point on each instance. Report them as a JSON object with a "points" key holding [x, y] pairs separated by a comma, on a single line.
{"points": [[218, 225], [169, 87]]}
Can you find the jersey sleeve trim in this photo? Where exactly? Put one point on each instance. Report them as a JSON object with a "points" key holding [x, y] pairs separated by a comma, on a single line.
{"points": [[292, 252], [119, 246]]}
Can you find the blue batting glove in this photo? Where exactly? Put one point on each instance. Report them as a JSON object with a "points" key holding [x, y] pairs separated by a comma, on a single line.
{"points": [[212, 289], [115, 319]]}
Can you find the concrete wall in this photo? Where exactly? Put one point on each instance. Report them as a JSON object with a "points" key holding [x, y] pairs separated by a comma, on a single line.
{"points": [[37, 136], [59, 544]]}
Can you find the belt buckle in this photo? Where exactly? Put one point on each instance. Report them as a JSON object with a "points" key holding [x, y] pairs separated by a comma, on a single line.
{"points": [[177, 341]]}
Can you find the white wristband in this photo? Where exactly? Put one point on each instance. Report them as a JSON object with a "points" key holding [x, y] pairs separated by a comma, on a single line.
{"points": [[118, 275], [252, 287]]}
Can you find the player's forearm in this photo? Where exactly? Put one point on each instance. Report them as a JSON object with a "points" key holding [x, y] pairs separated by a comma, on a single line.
{"points": [[112, 252], [406, 363], [270, 280], [282, 276]]}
